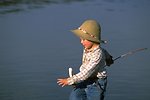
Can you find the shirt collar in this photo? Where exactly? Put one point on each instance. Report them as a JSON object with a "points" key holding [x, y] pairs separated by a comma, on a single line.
{"points": [[97, 47]]}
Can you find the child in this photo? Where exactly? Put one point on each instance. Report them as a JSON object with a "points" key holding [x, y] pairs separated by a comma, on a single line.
{"points": [[90, 83]]}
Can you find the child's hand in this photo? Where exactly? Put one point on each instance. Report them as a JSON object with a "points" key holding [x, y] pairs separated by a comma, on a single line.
{"points": [[62, 82]]}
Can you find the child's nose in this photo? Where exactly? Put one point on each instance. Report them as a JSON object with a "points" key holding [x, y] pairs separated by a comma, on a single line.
{"points": [[81, 41]]}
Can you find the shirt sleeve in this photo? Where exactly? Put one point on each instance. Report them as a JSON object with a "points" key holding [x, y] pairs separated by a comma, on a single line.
{"points": [[90, 69]]}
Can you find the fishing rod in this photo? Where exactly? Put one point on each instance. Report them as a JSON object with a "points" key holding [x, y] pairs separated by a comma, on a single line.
{"points": [[121, 56], [129, 53]]}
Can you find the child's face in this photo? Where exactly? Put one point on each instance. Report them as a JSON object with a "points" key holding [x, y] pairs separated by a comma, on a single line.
{"points": [[86, 44]]}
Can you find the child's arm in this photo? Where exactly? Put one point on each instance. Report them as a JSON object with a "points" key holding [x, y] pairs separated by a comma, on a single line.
{"points": [[89, 69]]}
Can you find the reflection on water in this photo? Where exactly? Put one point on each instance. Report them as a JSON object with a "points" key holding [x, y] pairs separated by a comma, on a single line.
{"points": [[14, 6]]}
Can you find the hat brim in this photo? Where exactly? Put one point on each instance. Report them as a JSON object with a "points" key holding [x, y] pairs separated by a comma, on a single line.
{"points": [[80, 34]]}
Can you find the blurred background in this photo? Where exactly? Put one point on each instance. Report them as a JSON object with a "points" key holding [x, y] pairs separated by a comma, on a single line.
{"points": [[37, 47]]}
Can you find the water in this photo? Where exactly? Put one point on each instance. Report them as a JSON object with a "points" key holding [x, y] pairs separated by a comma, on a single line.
{"points": [[36, 46]]}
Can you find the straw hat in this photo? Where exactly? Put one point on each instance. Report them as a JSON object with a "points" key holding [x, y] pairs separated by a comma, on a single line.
{"points": [[90, 30]]}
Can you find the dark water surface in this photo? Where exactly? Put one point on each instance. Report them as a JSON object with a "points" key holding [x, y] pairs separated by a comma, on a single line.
{"points": [[36, 46]]}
